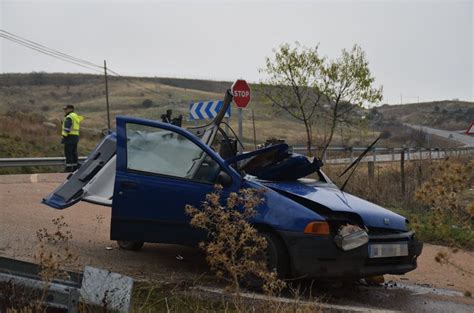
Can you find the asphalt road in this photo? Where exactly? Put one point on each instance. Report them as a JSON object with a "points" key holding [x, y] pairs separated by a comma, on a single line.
{"points": [[468, 141], [22, 215]]}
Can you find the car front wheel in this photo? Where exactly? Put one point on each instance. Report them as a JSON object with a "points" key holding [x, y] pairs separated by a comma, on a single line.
{"points": [[130, 245], [276, 256]]}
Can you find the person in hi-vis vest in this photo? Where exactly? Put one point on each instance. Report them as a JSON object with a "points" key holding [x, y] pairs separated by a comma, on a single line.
{"points": [[70, 137]]}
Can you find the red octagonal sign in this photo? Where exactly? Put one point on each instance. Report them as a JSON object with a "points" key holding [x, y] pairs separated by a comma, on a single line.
{"points": [[241, 93]]}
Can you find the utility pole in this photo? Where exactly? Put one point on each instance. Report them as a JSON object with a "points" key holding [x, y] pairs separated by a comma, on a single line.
{"points": [[107, 95]]}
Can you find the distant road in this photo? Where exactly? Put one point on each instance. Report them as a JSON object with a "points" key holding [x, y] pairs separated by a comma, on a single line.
{"points": [[468, 141]]}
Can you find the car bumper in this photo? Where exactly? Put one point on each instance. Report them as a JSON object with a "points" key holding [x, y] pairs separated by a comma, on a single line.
{"points": [[319, 257]]}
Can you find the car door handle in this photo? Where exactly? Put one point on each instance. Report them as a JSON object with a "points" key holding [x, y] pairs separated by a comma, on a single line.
{"points": [[128, 185]]}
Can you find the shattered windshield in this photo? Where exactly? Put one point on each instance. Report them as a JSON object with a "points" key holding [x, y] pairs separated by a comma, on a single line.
{"points": [[161, 151]]}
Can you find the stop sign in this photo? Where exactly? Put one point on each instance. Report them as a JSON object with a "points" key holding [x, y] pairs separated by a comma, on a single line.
{"points": [[241, 93]]}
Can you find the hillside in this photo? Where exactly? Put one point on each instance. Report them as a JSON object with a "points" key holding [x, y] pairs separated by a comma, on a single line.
{"points": [[31, 101], [31, 111], [447, 114]]}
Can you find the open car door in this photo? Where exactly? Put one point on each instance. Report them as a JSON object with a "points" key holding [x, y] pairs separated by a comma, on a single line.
{"points": [[161, 168], [92, 182]]}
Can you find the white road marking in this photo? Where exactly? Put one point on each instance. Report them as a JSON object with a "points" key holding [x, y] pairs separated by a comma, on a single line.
{"points": [[34, 178]]}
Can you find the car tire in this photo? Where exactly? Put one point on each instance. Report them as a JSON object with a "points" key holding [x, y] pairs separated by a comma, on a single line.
{"points": [[130, 245], [276, 255]]}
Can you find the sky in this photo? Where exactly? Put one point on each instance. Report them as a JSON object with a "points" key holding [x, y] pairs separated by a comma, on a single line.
{"points": [[418, 50]]}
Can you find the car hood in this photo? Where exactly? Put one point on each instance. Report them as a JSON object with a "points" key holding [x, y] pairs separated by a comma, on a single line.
{"points": [[334, 199]]}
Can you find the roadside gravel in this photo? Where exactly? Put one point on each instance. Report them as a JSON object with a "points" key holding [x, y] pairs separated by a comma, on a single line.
{"points": [[22, 214]]}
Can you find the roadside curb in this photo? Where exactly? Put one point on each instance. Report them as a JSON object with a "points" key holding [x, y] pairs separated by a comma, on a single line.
{"points": [[326, 306]]}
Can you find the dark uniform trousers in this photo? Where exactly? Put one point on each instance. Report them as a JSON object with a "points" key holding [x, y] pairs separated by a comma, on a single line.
{"points": [[70, 151]]}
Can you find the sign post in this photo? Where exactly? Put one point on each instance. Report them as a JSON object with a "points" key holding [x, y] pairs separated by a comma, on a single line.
{"points": [[240, 119], [241, 96]]}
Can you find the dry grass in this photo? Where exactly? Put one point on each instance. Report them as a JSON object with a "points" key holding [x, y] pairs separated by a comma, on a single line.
{"points": [[437, 201], [234, 247], [161, 297]]}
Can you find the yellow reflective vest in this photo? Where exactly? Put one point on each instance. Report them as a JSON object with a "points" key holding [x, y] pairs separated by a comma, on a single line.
{"points": [[76, 120]]}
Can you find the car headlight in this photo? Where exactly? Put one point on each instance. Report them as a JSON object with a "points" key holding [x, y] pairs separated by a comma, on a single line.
{"points": [[350, 237]]}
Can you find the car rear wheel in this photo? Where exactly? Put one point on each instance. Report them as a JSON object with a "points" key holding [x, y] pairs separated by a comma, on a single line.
{"points": [[130, 245]]}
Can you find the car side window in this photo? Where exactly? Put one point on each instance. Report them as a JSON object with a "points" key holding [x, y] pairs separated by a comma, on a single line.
{"points": [[159, 151]]}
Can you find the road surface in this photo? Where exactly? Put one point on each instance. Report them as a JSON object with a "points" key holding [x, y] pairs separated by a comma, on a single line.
{"points": [[468, 141], [430, 288]]}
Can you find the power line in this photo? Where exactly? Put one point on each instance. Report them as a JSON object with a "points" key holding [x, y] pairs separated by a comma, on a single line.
{"points": [[132, 82], [50, 49], [43, 51], [64, 56]]}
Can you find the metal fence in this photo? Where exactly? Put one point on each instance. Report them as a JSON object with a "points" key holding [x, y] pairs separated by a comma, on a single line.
{"points": [[94, 287], [340, 155], [42, 161], [334, 155]]}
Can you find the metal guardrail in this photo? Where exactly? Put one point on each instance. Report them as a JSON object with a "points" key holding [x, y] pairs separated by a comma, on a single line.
{"points": [[382, 154], [60, 294], [21, 281], [384, 149], [378, 154], [42, 161]]}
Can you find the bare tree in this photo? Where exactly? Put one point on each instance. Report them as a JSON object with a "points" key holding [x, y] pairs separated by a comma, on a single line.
{"points": [[293, 83], [310, 87], [347, 85]]}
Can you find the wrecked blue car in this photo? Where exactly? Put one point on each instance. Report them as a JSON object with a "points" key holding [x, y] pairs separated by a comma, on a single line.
{"points": [[148, 171]]}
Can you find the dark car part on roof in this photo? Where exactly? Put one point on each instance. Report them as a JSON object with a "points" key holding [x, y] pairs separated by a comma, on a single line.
{"points": [[276, 163]]}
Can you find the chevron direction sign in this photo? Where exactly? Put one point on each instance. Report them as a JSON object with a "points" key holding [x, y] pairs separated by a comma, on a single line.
{"points": [[206, 110]]}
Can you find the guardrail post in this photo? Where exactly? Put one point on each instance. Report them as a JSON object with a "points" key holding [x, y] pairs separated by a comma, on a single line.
{"points": [[371, 169], [408, 154], [402, 171], [375, 155], [393, 154], [429, 153]]}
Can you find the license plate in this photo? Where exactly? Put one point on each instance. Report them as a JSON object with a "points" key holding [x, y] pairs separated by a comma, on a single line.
{"points": [[387, 250]]}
